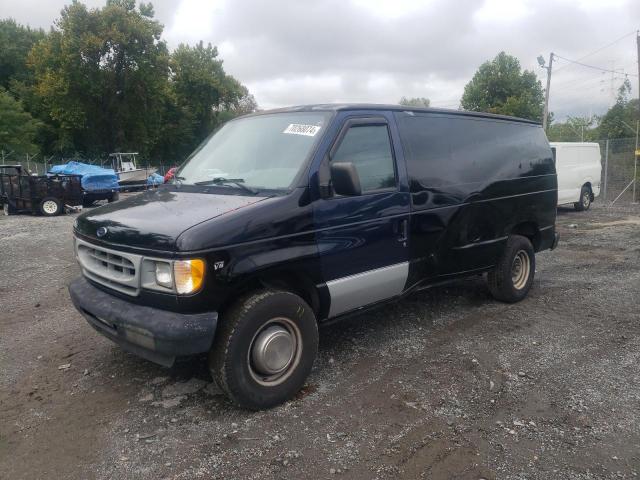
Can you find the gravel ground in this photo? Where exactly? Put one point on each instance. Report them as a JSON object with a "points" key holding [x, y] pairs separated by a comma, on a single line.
{"points": [[445, 384]]}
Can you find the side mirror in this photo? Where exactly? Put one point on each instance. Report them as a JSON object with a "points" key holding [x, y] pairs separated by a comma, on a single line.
{"points": [[345, 179]]}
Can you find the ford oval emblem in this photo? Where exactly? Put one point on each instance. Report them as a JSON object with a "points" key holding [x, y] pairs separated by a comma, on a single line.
{"points": [[101, 232]]}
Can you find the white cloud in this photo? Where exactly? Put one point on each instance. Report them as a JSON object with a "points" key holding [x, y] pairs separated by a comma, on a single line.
{"points": [[291, 51], [193, 20], [503, 11], [390, 9]]}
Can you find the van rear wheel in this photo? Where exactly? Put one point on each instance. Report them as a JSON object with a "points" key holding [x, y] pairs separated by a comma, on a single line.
{"points": [[264, 349], [512, 277], [585, 199]]}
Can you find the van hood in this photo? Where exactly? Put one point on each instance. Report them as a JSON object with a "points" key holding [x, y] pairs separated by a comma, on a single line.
{"points": [[155, 219]]}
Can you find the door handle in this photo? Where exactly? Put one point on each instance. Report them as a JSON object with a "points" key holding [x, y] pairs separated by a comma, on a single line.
{"points": [[403, 235]]}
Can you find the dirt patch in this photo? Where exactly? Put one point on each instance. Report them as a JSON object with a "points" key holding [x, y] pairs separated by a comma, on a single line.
{"points": [[446, 384]]}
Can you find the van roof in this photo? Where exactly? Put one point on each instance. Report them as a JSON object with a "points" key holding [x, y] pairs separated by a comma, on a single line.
{"points": [[334, 107]]}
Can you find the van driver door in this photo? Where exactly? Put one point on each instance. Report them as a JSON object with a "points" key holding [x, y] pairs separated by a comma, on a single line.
{"points": [[363, 239]]}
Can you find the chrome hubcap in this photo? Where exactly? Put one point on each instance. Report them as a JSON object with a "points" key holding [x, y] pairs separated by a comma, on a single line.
{"points": [[272, 350], [520, 270], [586, 199], [50, 206], [275, 351]]}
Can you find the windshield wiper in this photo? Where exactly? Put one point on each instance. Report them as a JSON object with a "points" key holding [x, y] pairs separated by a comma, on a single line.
{"points": [[238, 182]]}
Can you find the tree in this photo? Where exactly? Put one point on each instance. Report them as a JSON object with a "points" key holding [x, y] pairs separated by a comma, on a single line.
{"points": [[102, 75], [574, 129], [199, 82], [17, 128], [103, 80], [244, 105], [620, 119], [500, 86], [203, 96], [414, 102], [15, 43]]}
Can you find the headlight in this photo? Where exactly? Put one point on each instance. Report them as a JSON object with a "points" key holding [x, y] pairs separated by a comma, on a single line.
{"points": [[188, 275], [163, 274], [179, 276]]}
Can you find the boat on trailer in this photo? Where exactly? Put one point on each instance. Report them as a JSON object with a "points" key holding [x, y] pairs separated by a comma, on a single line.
{"points": [[124, 163]]}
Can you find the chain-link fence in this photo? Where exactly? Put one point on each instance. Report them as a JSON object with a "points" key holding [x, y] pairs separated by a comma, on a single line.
{"points": [[619, 171], [40, 166]]}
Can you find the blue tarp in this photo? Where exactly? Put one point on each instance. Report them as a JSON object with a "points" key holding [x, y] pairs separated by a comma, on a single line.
{"points": [[93, 177], [155, 179]]}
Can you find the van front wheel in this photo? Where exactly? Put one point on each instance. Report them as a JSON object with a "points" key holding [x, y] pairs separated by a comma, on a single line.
{"points": [[512, 277], [264, 348]]}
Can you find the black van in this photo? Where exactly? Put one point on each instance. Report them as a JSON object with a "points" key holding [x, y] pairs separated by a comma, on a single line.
{"points": [[286, 219]]}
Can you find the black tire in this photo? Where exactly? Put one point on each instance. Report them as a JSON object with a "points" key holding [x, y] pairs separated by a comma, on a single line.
{"points": [[586, 197], [115, 196], [504, 283], [231, 361], [50, 207]]}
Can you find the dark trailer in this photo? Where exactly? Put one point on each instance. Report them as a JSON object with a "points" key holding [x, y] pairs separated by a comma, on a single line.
{"points": [[47, 195]]}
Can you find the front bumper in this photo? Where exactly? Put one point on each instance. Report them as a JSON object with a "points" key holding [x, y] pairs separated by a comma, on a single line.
{"points": [[151, 333]]}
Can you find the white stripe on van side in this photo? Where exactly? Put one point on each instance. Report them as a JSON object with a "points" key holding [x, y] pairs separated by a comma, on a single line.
{"points": [[367, 287]]}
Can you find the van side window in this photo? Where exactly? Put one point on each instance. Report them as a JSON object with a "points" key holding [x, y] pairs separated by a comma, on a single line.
{"points": [[369, 149]]}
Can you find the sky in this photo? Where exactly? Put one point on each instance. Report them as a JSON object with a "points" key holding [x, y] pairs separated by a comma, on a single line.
{"points": [[290, 52]]}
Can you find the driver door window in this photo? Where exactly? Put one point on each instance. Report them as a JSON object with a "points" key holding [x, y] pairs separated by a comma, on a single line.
{"points": [[368, 147]]}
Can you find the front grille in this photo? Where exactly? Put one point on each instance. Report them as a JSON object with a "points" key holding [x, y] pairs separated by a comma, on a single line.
{"points": [[117, 270]]}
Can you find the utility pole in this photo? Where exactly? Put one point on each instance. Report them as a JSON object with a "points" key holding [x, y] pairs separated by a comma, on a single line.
{"points": [[635, 164], [546, 93], [638, 44], [635, 158]]}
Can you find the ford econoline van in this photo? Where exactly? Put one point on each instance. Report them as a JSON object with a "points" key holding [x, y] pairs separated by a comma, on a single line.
{"points": [[284, 220], [579, 167]]}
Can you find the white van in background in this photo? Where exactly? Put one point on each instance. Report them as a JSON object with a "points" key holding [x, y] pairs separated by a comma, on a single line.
{"points": [[579, 168]]}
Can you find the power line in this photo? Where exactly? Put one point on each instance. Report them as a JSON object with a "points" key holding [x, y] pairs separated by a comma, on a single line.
{"points": [[600, 78], [593, 66], [583, 84], [601, 48]]}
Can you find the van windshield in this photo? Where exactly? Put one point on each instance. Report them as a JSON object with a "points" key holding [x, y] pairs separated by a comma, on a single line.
{"points": [[255, 153]]}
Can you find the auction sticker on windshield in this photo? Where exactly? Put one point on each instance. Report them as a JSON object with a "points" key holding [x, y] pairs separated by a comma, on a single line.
{"points": [[299, 129]]}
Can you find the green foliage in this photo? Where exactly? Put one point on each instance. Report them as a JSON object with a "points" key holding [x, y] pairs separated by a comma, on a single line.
{"points": [[575, 129], [202, 97], [101, 75], [199, 84], [414, 102], [103, 80], [17, 128], [620, 120], [500, 86], [15, 43], [146, 9]]}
